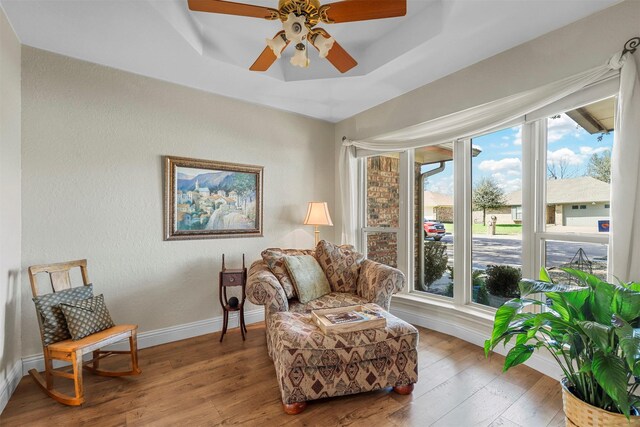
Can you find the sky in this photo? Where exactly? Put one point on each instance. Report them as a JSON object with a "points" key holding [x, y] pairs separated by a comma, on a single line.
{"points": [[501, 156]]}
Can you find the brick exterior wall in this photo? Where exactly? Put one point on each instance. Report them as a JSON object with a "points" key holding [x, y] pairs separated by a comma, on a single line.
{"points": [[383, 207]]}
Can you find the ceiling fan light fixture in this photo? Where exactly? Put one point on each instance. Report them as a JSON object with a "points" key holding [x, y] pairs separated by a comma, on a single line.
{"points": [[295, 28], [277, 45], [300, 59], [324, 45]]}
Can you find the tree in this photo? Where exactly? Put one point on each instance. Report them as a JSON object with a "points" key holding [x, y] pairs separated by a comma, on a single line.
{"points": [[599, 166], [560, 169], [487, 195]]}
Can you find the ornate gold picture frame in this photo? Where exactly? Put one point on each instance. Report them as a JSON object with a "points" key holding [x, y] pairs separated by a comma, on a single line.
{"points": [[207, 199]]}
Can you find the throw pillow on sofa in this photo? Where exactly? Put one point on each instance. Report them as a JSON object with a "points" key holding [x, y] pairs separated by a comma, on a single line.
{"points": [[307, 277], [341, 264], [54, 325], [86, 317], [274, 257]]}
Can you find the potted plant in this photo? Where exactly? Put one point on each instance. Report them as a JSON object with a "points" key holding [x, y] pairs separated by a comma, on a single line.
{"points": [[502, 283], [590, 330]]}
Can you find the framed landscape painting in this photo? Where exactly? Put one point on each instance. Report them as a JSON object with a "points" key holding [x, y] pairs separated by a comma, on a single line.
{"points": [[207, 199]]}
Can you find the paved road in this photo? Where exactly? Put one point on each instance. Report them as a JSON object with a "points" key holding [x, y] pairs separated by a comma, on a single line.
{"points": [[496, 250]]}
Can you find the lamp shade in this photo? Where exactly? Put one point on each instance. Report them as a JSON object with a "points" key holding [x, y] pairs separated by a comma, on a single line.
{"points": [[318, 214]]}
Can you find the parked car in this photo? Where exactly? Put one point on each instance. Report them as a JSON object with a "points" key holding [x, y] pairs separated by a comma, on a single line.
{"points": [[434, 229]]}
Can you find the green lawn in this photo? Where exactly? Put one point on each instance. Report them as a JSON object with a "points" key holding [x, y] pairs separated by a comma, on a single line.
{"points": [[501, 229]]}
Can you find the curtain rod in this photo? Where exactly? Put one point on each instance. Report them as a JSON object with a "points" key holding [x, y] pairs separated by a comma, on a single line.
{"points": [[631, 45]]}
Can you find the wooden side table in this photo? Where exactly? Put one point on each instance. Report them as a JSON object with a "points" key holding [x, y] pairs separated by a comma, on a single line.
{"points": [[230, 278]]}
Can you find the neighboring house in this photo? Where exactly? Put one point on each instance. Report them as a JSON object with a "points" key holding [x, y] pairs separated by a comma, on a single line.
{"points": [[573, 202], [438, 206]]}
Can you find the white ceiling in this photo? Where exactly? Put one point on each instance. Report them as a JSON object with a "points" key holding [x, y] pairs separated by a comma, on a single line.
{"points": [[164, 40]]}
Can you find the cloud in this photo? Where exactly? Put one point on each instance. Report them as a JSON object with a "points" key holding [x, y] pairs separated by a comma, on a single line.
{"points": [[508, 183], [505, 172], [589, 151], [569, 157], [564, 155], [561, 127], [504, 165], [517, 137], [442, 185]]}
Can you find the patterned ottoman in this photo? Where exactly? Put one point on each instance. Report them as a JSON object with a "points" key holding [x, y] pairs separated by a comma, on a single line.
{"points": [[311, 365]]}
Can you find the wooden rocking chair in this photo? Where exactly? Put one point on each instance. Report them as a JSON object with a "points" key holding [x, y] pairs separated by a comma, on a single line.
{"points": [[72, 351]]}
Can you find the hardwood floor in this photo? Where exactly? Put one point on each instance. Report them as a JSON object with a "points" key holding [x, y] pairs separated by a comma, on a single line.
{"points": [[200, 382]]}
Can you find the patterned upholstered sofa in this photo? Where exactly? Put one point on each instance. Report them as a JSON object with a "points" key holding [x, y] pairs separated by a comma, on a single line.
{"points": [[311, 365]]}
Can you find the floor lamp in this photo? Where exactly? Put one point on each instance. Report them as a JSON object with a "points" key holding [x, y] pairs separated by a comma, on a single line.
{"points": [[318, 214]]}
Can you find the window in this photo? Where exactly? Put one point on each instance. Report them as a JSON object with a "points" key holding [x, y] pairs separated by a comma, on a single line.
{"points": [[422, 210], [516, 213], [578, 150], [433, 172], [382, 208], [496, 212]]}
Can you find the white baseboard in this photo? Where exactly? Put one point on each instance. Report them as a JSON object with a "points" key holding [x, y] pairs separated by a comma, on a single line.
{"points": [[9, 384], [162, 336], [439, 321], [470, 332]]}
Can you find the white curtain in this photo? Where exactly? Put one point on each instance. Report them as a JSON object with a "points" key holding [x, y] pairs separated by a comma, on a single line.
{"points": [[500, 113], [624, 250]]}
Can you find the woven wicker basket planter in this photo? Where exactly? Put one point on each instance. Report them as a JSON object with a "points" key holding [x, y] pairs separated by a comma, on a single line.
{"points": [[581, 414]]}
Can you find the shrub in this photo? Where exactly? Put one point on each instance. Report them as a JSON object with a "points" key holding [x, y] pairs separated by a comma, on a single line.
{"points": [[449, 290], [503, 280], [483, 295], [435, 261]]}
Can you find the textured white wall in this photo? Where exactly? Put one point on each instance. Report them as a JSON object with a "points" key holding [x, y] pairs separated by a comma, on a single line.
{"points": [[569, 50], [10, 217], [93, 138]]}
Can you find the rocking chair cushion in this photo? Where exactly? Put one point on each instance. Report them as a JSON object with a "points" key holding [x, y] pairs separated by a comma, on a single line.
{"points": [[54, 325], [86, 317]]}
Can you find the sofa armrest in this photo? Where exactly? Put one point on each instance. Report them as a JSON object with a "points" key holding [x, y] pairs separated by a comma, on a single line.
{"points": [[263, 288], [377, 282]]}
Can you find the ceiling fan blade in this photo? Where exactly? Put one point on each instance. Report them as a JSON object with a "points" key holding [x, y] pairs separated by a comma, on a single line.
{"points": [[231, 8], [267, 57], [362, 10], [339, 57]]}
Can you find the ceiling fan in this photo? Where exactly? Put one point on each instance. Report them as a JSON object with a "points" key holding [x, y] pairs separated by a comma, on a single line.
{"points": [[299, 19]]}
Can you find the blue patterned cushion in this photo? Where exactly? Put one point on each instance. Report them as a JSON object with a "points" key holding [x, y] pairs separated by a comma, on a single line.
{"points": [[86, 317], [54, 325]]}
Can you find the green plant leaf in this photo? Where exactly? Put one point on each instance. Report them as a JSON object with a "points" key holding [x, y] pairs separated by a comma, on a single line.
{"points": [[528, 287], [522, 339], [634, 286], [600, 302], [574, 341], [487, 348], [626, 303], [517, 355], [630, 350], [586, 368], [505, 314], [586, 278], [597, 333], [544, 275], [559, 305], [555, 324], [575, 301], [611, 373]]}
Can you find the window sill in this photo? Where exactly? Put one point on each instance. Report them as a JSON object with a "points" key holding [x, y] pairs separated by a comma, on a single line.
{"points": [[468, 323], [415, 299]]}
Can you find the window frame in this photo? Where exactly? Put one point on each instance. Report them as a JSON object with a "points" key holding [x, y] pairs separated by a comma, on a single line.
{"points": [[533, 207]]}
